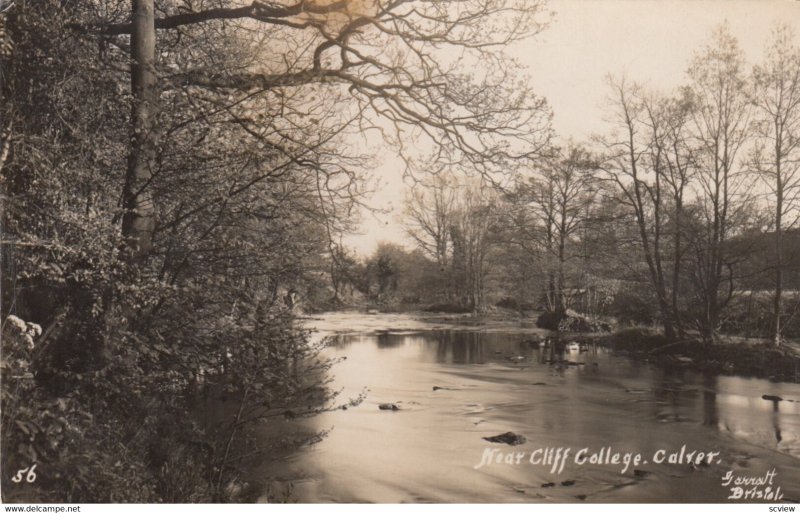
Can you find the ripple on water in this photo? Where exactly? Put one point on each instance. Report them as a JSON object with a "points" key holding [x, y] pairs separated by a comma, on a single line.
{"points": [[427, 451]]}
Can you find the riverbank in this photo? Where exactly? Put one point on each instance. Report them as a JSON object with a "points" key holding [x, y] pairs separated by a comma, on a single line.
{"points": [[728, 356]]}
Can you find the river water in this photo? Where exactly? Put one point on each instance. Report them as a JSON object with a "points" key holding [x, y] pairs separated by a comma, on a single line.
{"points": [[493, 380]]}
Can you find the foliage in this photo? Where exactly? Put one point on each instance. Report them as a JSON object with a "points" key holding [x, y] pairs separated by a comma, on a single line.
{"points": [[631, 308], [154, 226], [201, 313]]}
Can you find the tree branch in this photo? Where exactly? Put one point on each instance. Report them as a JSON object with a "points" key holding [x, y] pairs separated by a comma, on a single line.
{"points": [[267, 12]]}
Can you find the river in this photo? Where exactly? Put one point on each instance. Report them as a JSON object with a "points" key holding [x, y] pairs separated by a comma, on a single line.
{"points": [[493, 380]]}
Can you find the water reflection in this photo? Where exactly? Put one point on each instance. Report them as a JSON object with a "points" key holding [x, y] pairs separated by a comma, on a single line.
{"points": [[387, 340], [710, 416], [459, 348], [455, 387], [776, 424]]}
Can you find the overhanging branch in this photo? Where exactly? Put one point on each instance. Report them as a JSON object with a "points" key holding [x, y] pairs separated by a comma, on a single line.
{"points": [[260, 11]]}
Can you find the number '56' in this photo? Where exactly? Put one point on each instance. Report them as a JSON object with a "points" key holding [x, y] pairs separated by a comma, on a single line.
{"points": [[31, 477]]}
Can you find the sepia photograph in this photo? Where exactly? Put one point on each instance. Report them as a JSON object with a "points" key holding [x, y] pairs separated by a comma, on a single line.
{"points": [[386, 252]]}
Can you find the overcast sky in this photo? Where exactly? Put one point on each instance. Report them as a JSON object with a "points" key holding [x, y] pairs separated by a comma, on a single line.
{"points": [[650, 41]]}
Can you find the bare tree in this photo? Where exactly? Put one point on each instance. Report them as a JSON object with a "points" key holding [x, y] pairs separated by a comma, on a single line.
{"points": [[776, 157], [455, 221], [558, 195], [473, 230], [676, 170], [429, 212], [636, 162], [720, 123]]}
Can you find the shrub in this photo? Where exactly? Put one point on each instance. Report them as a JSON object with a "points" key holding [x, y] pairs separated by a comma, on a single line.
{"points": [[549, 320], [631, 308], [452, 308], [637, 339]]}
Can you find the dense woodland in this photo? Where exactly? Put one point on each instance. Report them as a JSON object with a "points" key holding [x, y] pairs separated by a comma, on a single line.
{"points": [[175, 172]]}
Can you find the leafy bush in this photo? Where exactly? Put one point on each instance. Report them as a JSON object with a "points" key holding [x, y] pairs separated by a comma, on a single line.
{"points": [[571, 321], [513, 304], [105, 401], [549, 320], [452, 308], [637, 339], [629, 307]]}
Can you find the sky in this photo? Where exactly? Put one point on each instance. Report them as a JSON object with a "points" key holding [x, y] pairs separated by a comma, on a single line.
{"points": [[649, 41]]}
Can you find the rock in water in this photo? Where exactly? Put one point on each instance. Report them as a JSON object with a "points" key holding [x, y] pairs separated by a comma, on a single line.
{"points": [[775, 398], [509, 438], [388, 406]]}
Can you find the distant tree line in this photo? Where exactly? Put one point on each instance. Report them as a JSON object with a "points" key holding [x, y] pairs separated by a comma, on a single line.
{"points": [[682, 213]]}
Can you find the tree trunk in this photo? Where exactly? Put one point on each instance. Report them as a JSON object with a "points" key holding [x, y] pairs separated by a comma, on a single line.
{"points": [[708, 328], [676, 264], [138, 220], [561, 304], [776, 314], [667, 319]]}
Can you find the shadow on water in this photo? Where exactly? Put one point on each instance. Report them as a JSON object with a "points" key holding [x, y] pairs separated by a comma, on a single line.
{"points": [[455, 387]]}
